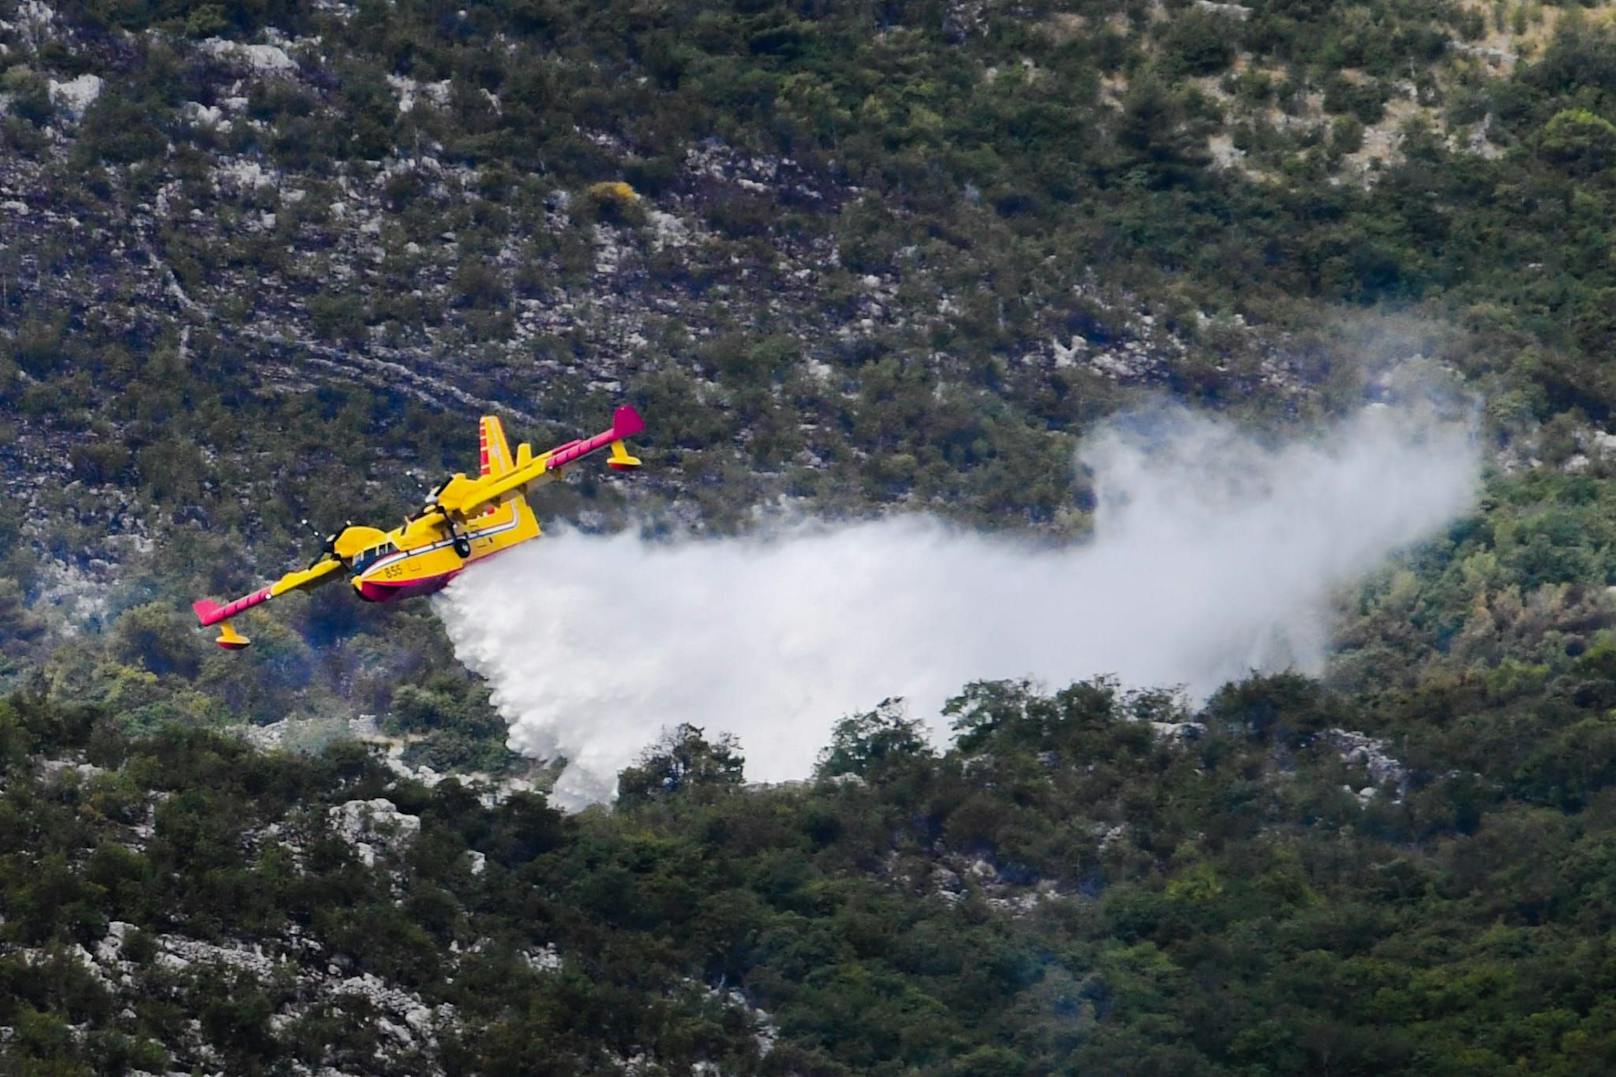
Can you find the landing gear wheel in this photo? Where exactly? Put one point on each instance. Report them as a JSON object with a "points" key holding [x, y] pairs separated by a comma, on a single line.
{"points": [[462, 546]]}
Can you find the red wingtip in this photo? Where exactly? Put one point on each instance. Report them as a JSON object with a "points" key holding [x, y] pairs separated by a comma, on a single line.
{"points": [[626, 422], [207, 611]]}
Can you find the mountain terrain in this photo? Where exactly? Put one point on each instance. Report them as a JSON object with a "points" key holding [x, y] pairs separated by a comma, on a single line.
{"points": [[263, 262]]}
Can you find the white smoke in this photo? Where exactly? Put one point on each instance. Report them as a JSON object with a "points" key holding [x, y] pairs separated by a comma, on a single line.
{"points": [[1211, 556]]}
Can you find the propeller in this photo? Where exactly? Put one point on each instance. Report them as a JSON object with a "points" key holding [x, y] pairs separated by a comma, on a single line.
{"points": [[328, 545]]}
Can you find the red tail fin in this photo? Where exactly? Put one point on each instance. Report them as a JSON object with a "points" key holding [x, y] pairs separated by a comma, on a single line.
{"points": [[626, 422]]}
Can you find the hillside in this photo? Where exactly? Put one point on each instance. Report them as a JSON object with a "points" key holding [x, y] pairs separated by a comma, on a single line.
{"points": [[312, 244], [1094, 880], [263, 262]]}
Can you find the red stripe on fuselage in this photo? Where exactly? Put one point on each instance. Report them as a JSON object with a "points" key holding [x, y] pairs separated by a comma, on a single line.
{"points": [[376, 591]]}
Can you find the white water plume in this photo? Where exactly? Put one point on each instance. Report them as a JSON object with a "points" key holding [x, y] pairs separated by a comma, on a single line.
{"points": [[1211, 556]]}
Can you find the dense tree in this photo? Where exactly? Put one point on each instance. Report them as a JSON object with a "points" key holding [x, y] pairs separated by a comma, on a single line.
{"points": [[866, 744], [1121, 900], [684, 761]]}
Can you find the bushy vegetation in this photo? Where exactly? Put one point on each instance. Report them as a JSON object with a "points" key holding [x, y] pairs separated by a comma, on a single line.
{"points": [[1086, 880]]}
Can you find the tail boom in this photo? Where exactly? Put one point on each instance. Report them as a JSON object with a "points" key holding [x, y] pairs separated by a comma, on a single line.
{"points": [[211, 613], [626, 423]]}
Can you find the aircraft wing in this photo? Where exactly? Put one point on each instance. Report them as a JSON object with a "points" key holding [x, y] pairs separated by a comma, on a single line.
{"points": [[465, 500], [209, 612]]}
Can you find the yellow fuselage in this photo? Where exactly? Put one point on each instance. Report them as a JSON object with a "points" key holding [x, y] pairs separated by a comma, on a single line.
{"points": [[421, 555]]}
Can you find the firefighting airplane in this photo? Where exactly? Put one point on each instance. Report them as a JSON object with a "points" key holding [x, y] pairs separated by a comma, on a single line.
{"points": [[465, 520]]}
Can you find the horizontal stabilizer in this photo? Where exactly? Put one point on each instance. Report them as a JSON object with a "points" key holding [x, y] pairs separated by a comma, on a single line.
{"points": [[207, 611], [230, 639], [620, 460]]}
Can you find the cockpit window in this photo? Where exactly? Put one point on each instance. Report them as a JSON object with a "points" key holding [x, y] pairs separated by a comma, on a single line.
{"points": [[364, 560]]}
